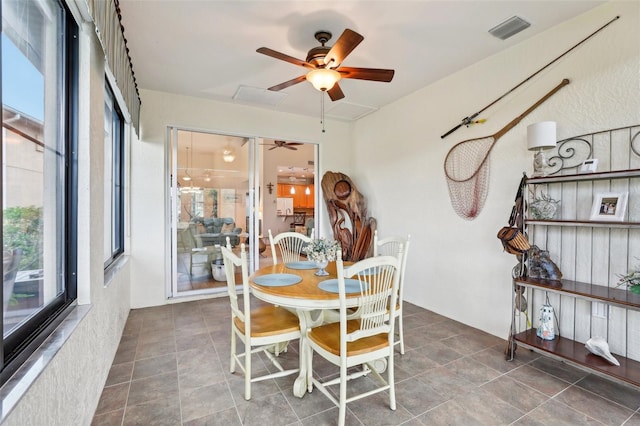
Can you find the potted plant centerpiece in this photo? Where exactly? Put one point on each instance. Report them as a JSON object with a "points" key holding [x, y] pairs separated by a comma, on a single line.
{"points": [[322, 252]]}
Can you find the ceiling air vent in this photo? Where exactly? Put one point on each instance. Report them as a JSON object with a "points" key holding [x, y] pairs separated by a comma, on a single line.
{"points": [[508, 28]]}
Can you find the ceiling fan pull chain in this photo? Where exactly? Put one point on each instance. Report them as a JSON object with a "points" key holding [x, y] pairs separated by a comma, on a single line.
{"points": [[322, 110]]}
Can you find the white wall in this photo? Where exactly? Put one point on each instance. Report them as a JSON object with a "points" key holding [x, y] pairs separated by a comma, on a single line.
{"points": [[457, 267], [159, 110]]}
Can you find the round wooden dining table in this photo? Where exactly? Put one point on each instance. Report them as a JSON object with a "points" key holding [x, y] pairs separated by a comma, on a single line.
{"points": [[308, 301]]}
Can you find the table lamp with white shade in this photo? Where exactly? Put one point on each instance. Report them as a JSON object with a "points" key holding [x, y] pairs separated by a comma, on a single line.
{"points": [[541, 136]]}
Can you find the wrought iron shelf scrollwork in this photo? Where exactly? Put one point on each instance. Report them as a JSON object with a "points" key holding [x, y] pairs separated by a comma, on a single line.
{"points": [[572, 152]]}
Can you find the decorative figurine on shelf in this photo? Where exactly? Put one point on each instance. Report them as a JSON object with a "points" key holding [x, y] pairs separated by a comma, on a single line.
{"points": [[631, 280], [543, 207], [546, 329], [599, 346], [541, 266]]}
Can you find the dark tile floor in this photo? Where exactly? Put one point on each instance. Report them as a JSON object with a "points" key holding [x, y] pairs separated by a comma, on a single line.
{"points": [[172, 368]]}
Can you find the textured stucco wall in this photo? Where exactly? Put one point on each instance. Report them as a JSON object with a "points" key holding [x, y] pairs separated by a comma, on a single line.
{"points": [[457, 267]]}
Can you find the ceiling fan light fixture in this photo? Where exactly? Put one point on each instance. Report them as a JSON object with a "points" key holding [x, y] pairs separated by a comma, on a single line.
{"points": [[323, 79], [228, 156]]}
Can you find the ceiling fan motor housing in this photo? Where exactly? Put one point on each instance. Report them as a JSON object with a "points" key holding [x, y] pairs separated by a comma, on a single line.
{"points": [[316, 55]]}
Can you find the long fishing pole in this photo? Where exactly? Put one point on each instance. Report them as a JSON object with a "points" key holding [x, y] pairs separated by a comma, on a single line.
{"points": [[467, 121]]}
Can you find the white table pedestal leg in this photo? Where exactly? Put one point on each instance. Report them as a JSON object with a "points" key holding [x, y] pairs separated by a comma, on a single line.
{"points": [[308, 319]]}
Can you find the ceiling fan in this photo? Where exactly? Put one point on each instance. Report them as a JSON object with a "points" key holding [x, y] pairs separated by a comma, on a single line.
{"points": [[283, 144], [325, 64]]}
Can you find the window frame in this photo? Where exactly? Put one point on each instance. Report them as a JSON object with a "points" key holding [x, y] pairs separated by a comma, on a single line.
{"points": [[17, 347], [117, 187]]}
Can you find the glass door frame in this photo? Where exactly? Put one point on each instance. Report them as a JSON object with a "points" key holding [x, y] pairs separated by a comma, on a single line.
{"points": [[255, 203], [171, 231]]}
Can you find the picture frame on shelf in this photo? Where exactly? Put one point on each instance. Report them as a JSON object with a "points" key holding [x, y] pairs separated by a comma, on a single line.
{"points": [[609, 206]]}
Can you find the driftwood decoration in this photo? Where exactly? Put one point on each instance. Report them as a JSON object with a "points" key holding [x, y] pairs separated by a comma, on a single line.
{"points": [[348, 215]]}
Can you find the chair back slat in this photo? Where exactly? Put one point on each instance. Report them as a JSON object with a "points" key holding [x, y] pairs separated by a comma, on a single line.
{"points": [[379, 277], [290, 245], [390, 246]]}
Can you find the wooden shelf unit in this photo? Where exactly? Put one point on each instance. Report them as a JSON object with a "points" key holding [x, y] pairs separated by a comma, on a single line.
{"points": [[571, 350], [617, 296], [576, 353], [592, 256], [582, 177]]}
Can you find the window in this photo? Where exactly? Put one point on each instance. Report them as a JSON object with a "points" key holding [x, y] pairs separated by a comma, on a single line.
{"points": [[39, 173], [113, 179], [198, 203]]}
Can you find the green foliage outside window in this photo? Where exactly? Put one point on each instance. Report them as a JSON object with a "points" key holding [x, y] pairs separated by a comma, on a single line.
{"points": [[22, 228]]}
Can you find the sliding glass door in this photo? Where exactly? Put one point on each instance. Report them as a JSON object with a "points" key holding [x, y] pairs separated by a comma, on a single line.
{"points": [[224, 186], [210, 203]]}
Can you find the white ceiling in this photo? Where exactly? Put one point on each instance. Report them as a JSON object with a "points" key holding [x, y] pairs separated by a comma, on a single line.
{"points": [[207, 48]]}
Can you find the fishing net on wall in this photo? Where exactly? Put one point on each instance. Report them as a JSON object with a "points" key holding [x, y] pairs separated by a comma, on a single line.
{"points": [[467, 164], [466, 168]]}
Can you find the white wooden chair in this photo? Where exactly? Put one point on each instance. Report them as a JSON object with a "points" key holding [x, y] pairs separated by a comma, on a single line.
{"points": [[364, 340], [190, 244], [290, 245], [259, 329], [391, 246]]}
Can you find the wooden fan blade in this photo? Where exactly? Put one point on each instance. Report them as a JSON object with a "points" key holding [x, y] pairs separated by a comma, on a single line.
{"points": [[335, 93], [373, 74], [283, 57], [290, 147], [343, 46], [294, 143], [288, 83]]}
